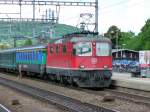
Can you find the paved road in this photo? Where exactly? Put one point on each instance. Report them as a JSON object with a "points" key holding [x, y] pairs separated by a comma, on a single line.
{"points": [[3, 109]]}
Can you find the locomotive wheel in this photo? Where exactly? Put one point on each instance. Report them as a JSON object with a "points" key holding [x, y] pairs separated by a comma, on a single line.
{"points": [[69, 80], [45, 76], [74, 82]]}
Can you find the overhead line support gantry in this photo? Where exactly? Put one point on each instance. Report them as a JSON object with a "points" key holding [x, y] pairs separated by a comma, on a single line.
{"points": [[55, 3]]}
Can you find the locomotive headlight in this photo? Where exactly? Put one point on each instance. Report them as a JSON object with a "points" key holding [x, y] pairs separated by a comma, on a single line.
{"points": [[94, 44], [105, 66], [82, 66]]}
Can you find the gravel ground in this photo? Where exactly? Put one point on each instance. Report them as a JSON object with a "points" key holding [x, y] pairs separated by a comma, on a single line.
{"points": [[133, 91], [122, 106], [27, 104]]}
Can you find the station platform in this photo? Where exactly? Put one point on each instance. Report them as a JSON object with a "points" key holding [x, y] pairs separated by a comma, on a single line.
{"points": [[3, 109], [125, 80]]}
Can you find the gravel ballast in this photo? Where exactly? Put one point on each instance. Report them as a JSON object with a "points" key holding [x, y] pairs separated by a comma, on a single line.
{"points": [[122, 106]]}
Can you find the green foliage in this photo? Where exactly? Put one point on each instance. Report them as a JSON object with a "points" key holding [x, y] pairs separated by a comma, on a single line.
{"points": [[142, 40], [114, 34], [28, 42], [147, 45], [27, 28], [129, 40], [126, 36], [133, 43], [4, 46]]}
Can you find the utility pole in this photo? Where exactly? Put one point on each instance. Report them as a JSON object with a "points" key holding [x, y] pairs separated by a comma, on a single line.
{"points": [[50, 14], [33, 9], [46, 16], [96, 16], [15, 42], [57, 13], [20, 8], [33, 30]]}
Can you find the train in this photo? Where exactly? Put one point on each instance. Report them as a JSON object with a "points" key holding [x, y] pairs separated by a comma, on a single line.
{"points": [[81, 58]]}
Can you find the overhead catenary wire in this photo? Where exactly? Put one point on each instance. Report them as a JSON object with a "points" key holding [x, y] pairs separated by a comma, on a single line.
{"points": [[109, 11], [115, 4], [108, 7]]}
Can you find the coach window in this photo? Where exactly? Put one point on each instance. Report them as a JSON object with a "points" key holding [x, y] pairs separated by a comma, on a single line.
{"points": [[51, 49], [64, 49], [28, 56], [32, 55], [35, 55]]}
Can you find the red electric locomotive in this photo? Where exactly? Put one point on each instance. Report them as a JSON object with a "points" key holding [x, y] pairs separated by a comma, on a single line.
{"points": [[83, 59]]}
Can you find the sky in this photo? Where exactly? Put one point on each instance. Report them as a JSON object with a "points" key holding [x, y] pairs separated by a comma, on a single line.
{"points": [[128, 15]]}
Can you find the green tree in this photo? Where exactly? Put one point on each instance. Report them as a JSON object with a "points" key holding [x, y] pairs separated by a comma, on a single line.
{"points": [[145, 36], [114, 34], [28, 42], [129, 39], [125, 38], [134, 43], [142, 40]]}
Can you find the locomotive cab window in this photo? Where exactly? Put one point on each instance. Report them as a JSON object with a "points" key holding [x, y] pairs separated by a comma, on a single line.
{"points": [[64, 49], [51, 49], [83, 49], [57, 49], [103, 49]]}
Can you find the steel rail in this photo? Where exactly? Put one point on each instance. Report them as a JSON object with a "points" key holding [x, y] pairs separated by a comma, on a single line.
{"points": [[3, 109], [53, 98], [139, 99]]}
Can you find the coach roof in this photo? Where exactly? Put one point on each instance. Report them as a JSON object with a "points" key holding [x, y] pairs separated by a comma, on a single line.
{"points": [[23, 48]]}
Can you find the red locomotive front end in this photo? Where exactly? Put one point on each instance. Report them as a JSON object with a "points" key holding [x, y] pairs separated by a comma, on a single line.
{"points": [[93, 61], [81, 59]]}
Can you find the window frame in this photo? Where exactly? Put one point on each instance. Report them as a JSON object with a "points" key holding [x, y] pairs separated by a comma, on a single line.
{"points": [[75, 49], [109, 49], [64, 49], [51, 49], [57, 49]]}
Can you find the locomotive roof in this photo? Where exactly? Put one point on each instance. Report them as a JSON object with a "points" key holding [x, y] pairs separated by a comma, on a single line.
{"points": [[97, 38], [7, 50]]}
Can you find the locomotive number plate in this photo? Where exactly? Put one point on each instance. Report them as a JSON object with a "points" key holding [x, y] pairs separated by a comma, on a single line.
{"points": [[94, 60]]}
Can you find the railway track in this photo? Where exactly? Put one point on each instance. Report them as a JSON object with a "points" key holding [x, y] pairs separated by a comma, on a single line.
{"points": [[122, 95], [53, 98], [139, 99], [3, 109], [127, 95]]}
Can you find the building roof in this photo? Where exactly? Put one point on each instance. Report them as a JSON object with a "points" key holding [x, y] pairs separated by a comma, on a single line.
{"points": [[119, 50]]}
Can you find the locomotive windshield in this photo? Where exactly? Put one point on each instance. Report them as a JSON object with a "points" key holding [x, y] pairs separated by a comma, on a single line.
{"points": [[83, 49], [103, 49]]}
